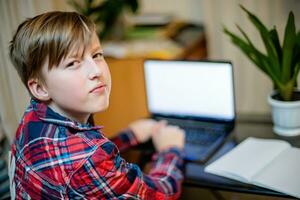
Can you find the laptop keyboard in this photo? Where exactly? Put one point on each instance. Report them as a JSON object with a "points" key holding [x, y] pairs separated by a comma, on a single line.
{"points": [[202, 136]]}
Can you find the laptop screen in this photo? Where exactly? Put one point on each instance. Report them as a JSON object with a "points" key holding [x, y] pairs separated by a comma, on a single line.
{"points": [[197, 89]]}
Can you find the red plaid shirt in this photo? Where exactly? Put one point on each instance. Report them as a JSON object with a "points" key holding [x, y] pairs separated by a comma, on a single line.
{"points": [[56, 158]]}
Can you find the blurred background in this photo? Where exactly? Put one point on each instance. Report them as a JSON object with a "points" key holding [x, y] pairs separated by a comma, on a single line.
{"points": [[165, 29], [134, 30]]}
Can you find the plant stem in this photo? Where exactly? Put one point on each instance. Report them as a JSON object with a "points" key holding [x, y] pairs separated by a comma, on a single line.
{"points": [[286, 91]]}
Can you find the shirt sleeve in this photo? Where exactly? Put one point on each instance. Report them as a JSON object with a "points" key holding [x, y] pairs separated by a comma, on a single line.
{"points": [[105, 175], [125, 139]]}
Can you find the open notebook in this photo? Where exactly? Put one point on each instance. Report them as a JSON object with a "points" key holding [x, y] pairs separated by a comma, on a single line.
{"points": [[269, 163], [198, 96]]}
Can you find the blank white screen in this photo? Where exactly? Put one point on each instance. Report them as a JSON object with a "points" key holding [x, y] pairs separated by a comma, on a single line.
{"points": [[190, 88]]}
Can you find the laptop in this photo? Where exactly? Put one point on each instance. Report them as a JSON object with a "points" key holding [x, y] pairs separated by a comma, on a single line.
{"points": [[198, 96]]}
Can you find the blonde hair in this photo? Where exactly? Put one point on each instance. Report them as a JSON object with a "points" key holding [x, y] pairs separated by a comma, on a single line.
{"points": [[48, 37]]}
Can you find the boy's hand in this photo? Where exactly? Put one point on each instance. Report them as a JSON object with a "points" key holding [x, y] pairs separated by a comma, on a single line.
{"points": [[143, 129], [167, 136]]}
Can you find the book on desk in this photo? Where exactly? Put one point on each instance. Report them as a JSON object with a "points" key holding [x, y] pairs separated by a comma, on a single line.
{"points": [[269, 163]]}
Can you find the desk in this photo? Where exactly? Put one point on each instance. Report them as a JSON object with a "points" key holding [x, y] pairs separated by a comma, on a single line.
{"points": [[197, 183], [196, 177]]}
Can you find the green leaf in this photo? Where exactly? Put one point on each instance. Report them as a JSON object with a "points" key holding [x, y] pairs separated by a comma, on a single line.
{"points": [[105, 13], [296, 52], [287, 49], [274, 37], [76, 6], [296, 58], [296, 72], [265, 60], [266, 40], [258, 58], [245, 35], [246, 48], [133, 5], [280, 63]]}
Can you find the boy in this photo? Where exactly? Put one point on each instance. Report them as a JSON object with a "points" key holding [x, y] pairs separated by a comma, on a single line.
{"points": [[57, 154]]}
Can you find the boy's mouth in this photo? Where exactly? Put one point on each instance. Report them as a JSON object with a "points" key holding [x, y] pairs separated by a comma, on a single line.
{"points": [[100, 88]]}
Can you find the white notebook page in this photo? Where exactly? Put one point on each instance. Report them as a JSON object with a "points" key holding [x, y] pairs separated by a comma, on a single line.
{"points": [[248, 158], [282, 174]]}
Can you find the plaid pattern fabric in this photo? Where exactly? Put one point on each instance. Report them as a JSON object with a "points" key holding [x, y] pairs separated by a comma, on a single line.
{"points": [[56, 158]]}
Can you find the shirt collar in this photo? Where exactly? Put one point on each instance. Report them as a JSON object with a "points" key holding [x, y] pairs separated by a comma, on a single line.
{"points": [[45, 113]]}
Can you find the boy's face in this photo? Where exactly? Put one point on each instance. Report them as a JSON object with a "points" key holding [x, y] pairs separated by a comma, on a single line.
{"points": [[79, 85]]}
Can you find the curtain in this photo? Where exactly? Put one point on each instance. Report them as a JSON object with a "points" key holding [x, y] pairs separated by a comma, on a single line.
{"points": [[13, 93], [14, 97]]}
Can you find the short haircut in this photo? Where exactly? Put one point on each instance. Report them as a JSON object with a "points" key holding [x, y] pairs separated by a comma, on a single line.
{"points": [[48, 37]]}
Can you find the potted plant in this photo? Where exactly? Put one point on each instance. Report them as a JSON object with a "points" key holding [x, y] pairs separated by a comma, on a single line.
{"points": [[108, 15], [281, 63]]}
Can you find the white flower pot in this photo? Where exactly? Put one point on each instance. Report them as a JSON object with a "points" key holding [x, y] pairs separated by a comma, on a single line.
{"points": [[286, 116]]}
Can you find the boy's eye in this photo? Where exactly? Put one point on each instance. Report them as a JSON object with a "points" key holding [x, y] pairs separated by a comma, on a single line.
{"points": [[73, 63], [98, 55]]}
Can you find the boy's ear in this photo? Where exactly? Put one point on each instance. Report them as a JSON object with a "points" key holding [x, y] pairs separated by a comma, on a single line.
{"points": [[38, 90]]}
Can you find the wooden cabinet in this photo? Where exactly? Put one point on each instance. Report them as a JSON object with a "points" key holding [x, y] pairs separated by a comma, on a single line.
{"points": [[127, 99]]}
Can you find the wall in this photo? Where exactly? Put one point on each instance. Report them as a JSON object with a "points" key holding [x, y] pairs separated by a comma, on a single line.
{"points": [[190, 10]]}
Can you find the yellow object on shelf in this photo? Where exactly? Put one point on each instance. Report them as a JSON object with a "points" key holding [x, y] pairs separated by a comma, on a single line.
{"points": [[160, 48]]}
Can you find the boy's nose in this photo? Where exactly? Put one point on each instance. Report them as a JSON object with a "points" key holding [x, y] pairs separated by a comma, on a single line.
{"points": [[94, 69]]}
